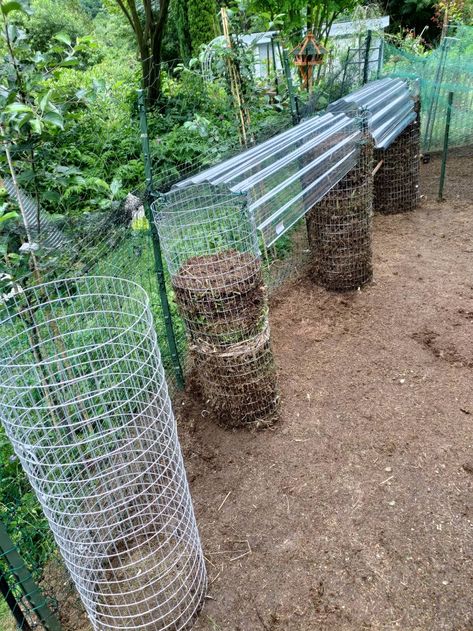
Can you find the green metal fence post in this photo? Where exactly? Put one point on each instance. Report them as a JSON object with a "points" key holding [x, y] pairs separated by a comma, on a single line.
{"points": [[380, 57], [366, 66], [158, 259], [443, 170], [290, 88], [25, 581], [13, 605]]}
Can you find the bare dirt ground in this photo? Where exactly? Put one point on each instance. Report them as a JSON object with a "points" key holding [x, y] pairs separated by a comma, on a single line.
{"points": [[355, 512]]}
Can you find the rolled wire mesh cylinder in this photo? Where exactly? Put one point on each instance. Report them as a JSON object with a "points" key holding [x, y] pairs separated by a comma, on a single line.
{"points": [[396, 183], [339, 229], [84, 401], [209, 241], [239, 382]]}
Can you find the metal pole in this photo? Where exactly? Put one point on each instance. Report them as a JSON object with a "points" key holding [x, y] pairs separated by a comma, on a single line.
{"points": [[443, 170], [429, 128], [25, 581], [273, 54], [13, 605], [345, 70], [158, 259], [366, 66], [380, 57], [290, 87]]}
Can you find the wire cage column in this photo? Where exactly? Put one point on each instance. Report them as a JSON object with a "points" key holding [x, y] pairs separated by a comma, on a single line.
{"points": [[339, 228], [396, 184], [209, 241], [84, 401]]}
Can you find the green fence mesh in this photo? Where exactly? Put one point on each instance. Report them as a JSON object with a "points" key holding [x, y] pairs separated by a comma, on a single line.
{"points": [[448, 68]]}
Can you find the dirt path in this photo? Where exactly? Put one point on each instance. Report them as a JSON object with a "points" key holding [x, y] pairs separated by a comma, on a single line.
{"points": [[356, 511]]}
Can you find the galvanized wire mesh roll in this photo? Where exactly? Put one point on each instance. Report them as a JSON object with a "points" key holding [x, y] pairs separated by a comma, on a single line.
{"points": [[209, 241], [396, 184], [339, 229], [84, 401], [211, 249]]}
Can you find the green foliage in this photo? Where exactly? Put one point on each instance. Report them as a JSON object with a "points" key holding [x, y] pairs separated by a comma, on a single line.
{"points": [[49, 17], [413, 15], [92, 7], [202, 20], [179, 13], [21, 512]]}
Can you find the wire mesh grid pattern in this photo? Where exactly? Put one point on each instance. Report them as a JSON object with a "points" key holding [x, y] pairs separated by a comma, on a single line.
{"points": [[210, 244], [339, 229], [85, 403], [397, 182]]}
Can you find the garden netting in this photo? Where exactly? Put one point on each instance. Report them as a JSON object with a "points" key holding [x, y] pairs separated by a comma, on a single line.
{"points": [[448, 68]]}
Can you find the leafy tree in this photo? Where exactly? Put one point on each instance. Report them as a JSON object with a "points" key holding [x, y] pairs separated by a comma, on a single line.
{"points": [[171, 50], [148, 19], [32, 117], [414, 15], [49, 17], [92, 7], [315, 15], [202, 20], [182, 27]]}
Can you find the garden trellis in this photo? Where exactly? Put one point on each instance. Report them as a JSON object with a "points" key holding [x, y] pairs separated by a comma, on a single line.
{"points": [[86, 406]]}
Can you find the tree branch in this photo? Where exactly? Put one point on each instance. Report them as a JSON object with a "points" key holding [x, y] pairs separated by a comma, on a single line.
{"points": [[127, 14]]}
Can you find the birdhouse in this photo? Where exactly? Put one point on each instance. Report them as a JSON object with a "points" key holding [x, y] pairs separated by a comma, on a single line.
{"points": [[307, 55]]}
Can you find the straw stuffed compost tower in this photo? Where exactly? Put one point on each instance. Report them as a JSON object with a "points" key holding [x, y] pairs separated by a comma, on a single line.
{"points": [[396, 184], [339, 228], [84, 401], [211, 249]]}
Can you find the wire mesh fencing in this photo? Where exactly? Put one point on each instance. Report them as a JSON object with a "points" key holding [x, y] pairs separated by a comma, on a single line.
{"points": [[448, 68], [339, 229], [397, 181], [209, 241], [85, 404], [29, 607]]}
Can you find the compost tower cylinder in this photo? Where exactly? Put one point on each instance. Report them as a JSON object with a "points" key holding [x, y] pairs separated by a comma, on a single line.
{"points": [[84, 401], [339, 229], [209, 241], [397, 182]]}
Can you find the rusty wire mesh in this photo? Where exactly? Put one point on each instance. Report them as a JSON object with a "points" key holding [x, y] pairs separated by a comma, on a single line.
{"points": [[339, 229], [396, 183]]}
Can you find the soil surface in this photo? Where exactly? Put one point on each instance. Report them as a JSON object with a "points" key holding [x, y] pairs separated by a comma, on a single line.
{"points": [[355, 511]]}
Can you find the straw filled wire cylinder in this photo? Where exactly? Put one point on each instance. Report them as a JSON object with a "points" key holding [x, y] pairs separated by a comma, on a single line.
{"points": [[397, 182], [339, 229], [209, 241], [84, 401]]}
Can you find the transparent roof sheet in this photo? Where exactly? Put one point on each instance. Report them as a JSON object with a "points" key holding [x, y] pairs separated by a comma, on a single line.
{"points": [[389, 106], [286, 175]]}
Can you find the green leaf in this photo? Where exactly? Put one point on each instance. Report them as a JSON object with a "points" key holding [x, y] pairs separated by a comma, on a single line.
{"points": [[12, 5], [55, 119], [7, 216], [35, 125], [115, 186], [64, 38], [18, 107], [51, 196], [44, 100]]}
